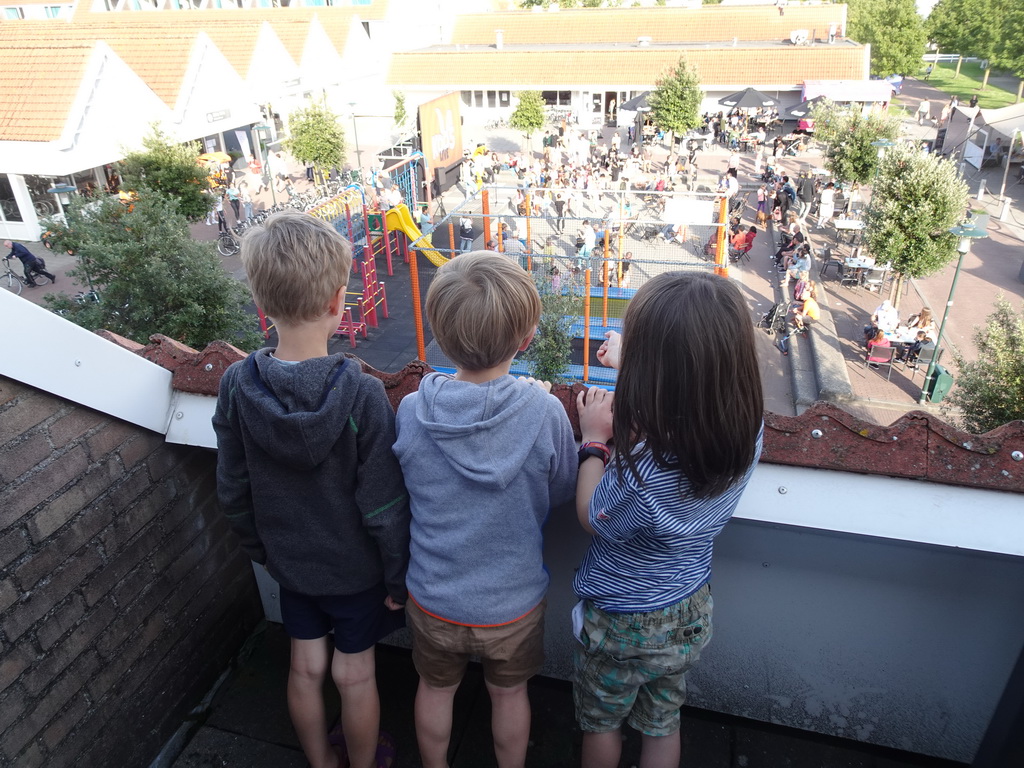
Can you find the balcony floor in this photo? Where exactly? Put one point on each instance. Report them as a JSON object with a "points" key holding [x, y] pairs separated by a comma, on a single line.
{"points": [[248, 725]]}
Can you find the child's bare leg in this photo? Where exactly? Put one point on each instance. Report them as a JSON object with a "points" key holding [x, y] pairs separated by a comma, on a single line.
{"points": [[660, 751], [434, 723], [602, 750], [306, 703], [510, 724], [355, 676]]}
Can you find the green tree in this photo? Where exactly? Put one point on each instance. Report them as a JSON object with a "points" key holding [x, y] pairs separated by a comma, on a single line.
{"points": [[528, 115], [150, 274], [401, 114], [847, 135], [170, 169], [967, 27], [916, 199], [675, 103], [550, 353], [990, 389], [1010, 46], [895, 31], [316, 137]]}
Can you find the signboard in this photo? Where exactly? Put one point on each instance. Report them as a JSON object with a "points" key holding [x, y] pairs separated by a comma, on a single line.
{"points": [[441, 131]]}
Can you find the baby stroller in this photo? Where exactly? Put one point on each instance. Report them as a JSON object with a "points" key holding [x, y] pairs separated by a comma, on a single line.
{"points": [[774, 320]]}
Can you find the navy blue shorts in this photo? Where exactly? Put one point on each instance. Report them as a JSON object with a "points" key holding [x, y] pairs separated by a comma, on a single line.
{"points": [[358, 620]]}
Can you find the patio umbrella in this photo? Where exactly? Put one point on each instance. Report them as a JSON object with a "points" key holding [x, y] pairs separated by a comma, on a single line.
{"points": [[801, 110], [214, 157], [637, 103], [748, 98]]}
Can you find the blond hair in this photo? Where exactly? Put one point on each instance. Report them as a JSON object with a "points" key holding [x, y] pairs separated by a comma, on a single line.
{"points": [[295, 263], [482, 307]]}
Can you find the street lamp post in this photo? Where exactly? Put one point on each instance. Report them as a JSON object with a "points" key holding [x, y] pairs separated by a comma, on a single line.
{"points": [[355, 134], [965, 233]]}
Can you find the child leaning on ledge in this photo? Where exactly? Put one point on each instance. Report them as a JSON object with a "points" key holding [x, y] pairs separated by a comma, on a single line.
{"points": [[306, 476], [485, 456]]}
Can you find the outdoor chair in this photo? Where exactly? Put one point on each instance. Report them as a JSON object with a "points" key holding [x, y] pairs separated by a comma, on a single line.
{"points": [[886, 354], [874, 279], [923, 360], [828, 259]]}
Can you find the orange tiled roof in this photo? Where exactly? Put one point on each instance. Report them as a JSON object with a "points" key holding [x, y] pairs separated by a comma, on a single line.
{"points": [[37, 87], [631, 67], [160, 60], [710, 23]]}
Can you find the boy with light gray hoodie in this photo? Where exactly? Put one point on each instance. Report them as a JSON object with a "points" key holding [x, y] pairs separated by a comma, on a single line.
{"points": [[485, 457]]}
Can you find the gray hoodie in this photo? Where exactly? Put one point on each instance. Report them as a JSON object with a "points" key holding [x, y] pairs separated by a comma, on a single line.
{"points": [[484, 463], [306, 476]]}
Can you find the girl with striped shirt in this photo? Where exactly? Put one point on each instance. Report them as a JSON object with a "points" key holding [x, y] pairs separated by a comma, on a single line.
{"points": [[687, 430]]}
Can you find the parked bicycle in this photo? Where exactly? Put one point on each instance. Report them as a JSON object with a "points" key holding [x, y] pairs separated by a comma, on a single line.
{"points": [[14, 282]]}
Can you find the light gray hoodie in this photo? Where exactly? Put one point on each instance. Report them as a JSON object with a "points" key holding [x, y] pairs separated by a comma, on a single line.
{"points": [[484, 463]]}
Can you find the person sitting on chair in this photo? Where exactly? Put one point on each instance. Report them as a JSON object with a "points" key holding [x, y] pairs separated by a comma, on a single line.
{"points": [[804, 314], [742, 242]]}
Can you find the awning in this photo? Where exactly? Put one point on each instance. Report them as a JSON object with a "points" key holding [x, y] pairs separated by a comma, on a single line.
{"points": [[848, 90]]}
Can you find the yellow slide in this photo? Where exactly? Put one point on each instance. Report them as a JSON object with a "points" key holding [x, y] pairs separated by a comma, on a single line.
{"points": [[399, 218]]}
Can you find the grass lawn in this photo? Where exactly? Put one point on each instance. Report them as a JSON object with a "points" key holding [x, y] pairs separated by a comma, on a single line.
{"points": [[967, 84]]}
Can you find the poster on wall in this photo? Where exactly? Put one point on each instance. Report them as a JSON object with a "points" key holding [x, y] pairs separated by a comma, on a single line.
{"points": [[441, 131]]}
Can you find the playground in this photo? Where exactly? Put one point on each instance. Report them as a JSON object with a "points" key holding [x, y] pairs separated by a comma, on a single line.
{"points": [[608, 247]]}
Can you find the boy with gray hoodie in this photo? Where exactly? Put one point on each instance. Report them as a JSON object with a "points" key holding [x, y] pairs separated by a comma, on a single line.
{"points": [[307, 479], [485, 457]]}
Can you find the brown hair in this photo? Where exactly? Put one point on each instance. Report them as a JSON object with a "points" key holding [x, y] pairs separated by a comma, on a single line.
{"points": [[695, 402], [481, 308], [295, 263]]}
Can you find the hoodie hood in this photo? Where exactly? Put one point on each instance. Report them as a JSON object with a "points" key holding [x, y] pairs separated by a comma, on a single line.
{"points": [[287, 405], [484, 431]]}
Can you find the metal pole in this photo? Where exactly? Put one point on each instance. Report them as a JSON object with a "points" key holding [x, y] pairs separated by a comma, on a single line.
{"points": [[355, 134], [1006, 171], [963, 249]]}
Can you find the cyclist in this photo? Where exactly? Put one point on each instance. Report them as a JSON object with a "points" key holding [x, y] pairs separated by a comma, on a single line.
{"points": [[32, 264]]}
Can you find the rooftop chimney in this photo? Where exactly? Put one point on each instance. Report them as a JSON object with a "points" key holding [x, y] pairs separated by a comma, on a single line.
{"points": [[499, 38]]}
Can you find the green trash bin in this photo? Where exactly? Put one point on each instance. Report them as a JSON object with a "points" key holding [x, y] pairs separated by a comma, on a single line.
{"points": [[937, 385]]}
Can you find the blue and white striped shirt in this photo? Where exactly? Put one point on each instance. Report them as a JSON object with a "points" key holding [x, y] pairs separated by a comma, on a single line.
{"points": [[653, 544]]}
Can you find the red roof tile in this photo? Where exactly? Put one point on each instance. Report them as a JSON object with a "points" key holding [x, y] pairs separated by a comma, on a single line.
{"points": [[917, 445]]}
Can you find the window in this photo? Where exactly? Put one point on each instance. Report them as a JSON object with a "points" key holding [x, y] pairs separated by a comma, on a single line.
{"points": [[556, 98], [53, 11], [467, 98], [504, 97], [13, 13], [492, 99], [8, 205], [478, 97]]}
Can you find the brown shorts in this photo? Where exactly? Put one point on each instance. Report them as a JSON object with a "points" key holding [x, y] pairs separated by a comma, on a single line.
{"points": [[510, 653]]}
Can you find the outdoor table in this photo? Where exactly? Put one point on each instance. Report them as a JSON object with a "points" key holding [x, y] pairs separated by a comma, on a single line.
{"points": [[857, 265], [853, 226], [902, 335]]}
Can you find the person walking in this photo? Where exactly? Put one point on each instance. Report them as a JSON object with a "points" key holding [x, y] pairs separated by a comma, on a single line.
{"points": [[30, 263]]}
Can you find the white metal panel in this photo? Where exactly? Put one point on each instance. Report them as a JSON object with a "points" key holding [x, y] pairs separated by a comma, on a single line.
{"points": [[886, 507], [191, 420], [45, 351]]}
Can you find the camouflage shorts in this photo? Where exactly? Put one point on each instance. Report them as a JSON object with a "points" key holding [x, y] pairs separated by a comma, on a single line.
{"points": [[631, 666]]}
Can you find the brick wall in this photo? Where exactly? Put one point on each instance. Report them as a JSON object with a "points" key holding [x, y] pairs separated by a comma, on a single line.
{"points": [[122, 595]]}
